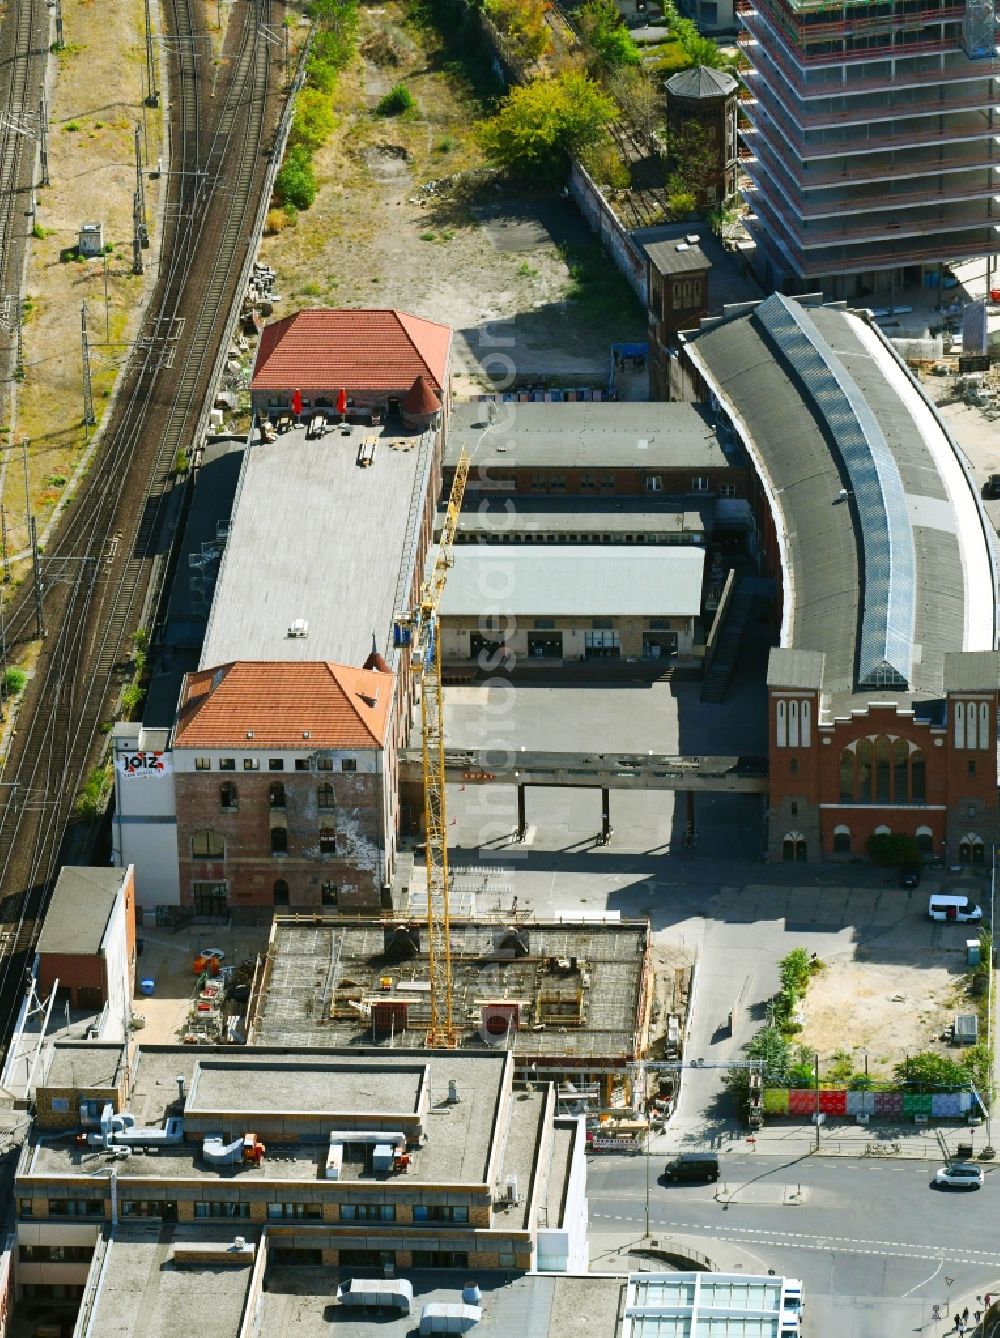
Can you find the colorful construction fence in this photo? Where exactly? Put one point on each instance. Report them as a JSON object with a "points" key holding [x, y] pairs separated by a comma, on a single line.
{"points": [[801, 1101]]}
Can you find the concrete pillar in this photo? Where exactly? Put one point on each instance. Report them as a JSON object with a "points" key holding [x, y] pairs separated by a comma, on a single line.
{"points": [[522, 826], [606, 828]]}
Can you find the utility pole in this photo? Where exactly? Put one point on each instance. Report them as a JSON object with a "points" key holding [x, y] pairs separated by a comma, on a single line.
{"points": [[43, 138], [88, 394], [140, 188], [4, 553], [817, 1100], [27, 489], [18, 342], [152, 95], [107, 307], [36, 572], [136, 235]]}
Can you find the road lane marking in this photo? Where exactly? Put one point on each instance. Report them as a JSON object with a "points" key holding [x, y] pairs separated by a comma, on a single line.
{"points": [[823, 1244]]}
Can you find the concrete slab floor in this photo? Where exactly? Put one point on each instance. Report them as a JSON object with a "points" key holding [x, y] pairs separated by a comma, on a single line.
{"points": [[168, 959]]}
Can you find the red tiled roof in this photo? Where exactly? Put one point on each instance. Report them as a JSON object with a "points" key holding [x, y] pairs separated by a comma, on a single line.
{"points": [[420, 398], [288, 704], [322, 350]]}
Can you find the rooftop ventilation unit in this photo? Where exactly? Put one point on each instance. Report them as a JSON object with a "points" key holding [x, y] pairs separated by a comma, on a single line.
{"points": [[300, 627]]}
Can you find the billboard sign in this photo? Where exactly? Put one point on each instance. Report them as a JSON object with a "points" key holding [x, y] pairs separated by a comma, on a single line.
{"points": [[143, 766]]}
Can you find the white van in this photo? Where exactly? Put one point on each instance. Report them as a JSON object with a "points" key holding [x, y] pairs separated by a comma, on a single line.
{"points": [[949, 906]]}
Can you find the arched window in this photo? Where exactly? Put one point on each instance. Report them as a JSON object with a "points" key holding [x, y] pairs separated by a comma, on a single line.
{"points": [[208, 845], [918, 777], [865, 771], [279, 841], [847, 781], [229, 797], [276, 794], [900, 772], [971, 849], [841, 840], [971, 722], [960, 724], [925, 841], [984, 725], [793, 847], [793, 724], [324, 796], [805, 720], [280, 892], [882, 769], [882, 831], [781, 727]]}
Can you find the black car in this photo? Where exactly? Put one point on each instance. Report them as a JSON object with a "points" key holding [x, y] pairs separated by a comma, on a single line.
{"points": [[991, 488], [692, 1166], [909, 875]]}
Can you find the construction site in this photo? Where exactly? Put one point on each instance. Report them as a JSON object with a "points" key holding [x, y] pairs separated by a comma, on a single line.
{"points": [[573, 1002]]}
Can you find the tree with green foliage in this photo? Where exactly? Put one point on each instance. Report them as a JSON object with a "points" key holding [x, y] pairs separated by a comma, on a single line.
{"points": [[540, 125], [524, 33], [295, 183], [639, 98], [607, 42], [313, 120], [785, 1065], [930, 1072], [694, 162], [336, 31]]}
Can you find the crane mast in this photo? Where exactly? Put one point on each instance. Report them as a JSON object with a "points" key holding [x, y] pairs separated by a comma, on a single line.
{"points": [[442, 1032]]}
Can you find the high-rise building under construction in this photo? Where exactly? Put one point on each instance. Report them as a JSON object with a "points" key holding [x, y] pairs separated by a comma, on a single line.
{"points": [[872, 139]]}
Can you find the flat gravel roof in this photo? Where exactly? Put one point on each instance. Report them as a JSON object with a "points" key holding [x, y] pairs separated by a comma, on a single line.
{"points": [[316, 536]]}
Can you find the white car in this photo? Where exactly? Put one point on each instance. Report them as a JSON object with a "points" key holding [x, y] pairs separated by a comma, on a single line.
{"points": [[961, 1176]]}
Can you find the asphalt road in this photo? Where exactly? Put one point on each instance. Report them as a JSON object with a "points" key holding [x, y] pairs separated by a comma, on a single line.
{"points": [[874, 1245]]}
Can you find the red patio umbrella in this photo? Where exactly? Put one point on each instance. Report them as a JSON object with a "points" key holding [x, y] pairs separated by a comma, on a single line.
{"points": [[297, 402], [342, 403]]}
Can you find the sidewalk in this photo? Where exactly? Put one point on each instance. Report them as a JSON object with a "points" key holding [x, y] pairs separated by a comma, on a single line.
{"points": [[925, 1143]]}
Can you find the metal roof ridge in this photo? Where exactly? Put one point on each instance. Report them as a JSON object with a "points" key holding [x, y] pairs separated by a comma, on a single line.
{"points": [[888, 595]]}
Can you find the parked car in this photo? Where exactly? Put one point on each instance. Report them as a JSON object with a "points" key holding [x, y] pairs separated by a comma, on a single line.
{"points": [[909, 875], [961, 1175], [954, 906], [991, 488]]}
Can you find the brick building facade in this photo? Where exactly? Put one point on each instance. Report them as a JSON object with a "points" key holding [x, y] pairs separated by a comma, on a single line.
{"points": [[883, 686], [927, 770], [285, 786]]}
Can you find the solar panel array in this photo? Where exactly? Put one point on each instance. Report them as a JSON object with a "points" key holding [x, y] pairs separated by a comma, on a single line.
{"points": [[888, 608]]}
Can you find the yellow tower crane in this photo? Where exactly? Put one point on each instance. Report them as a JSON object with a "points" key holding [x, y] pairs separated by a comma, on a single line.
{"points": [[426, 660]]}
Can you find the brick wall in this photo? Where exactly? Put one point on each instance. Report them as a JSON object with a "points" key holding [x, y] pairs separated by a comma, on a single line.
{"points": [[555, 481], [250, 868], [883, 749]]}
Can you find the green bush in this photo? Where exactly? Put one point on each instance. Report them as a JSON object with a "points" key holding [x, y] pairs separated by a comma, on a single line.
{"points": [[13, 681], [396, 101], [91, 799], [296, 183], [889, 848]]}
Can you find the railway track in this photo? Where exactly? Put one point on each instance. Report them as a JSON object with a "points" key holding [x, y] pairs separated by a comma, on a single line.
{"points": [[23, 50], [107, 547]]}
